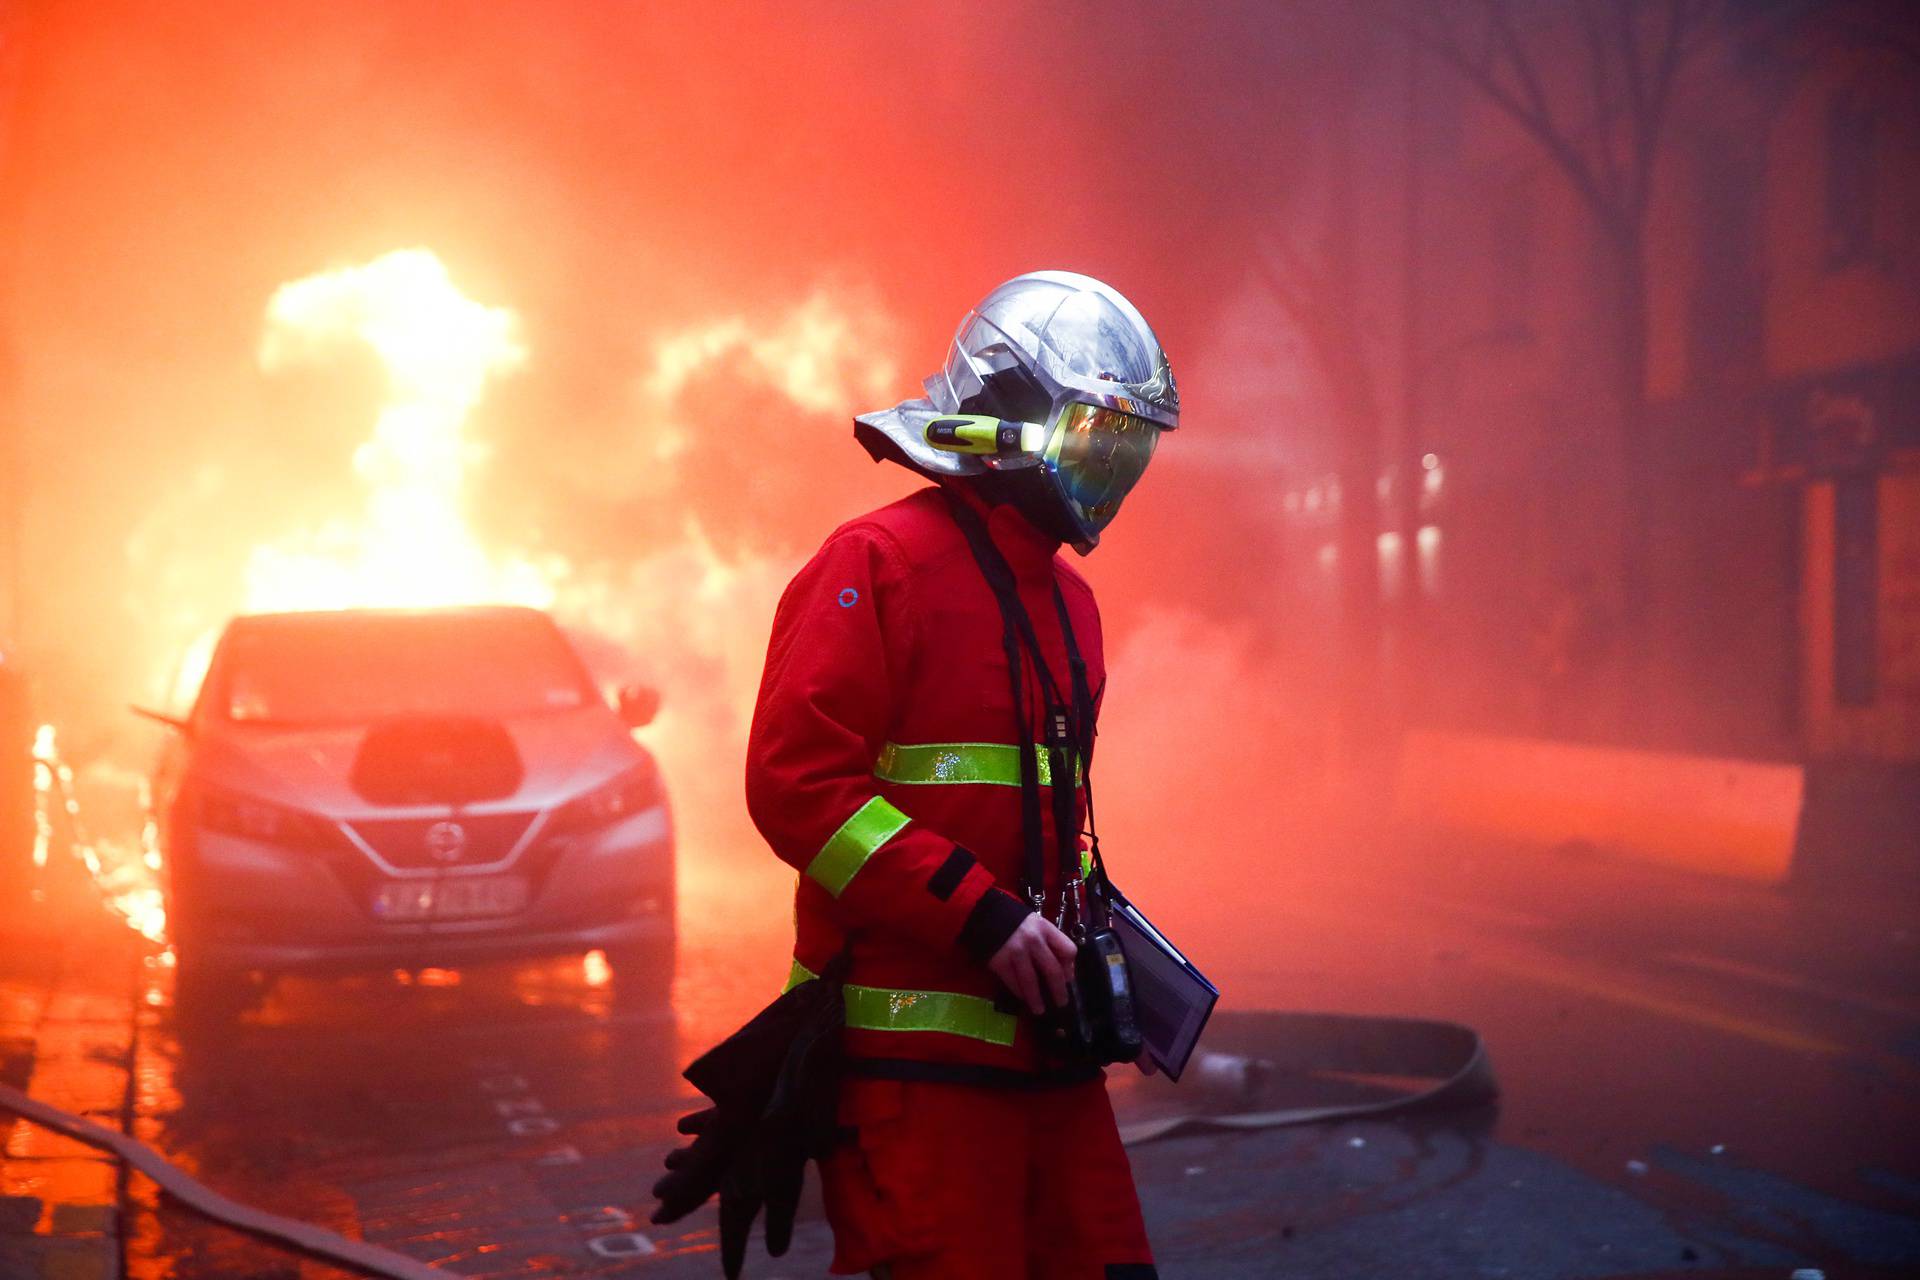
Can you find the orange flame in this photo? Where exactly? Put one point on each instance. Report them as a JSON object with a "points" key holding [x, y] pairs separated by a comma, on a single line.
{"points": [[688, 611], [411, 545]]}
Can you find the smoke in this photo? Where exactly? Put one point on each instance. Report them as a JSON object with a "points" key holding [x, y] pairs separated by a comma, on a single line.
{"points": [[728, 417], [411, 543], [1212, 746], [672, 252], [740, 456], [700, 222]]}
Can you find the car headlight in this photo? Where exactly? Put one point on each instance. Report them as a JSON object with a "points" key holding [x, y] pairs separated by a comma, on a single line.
{"points": [[235, 813], [629, 793]]}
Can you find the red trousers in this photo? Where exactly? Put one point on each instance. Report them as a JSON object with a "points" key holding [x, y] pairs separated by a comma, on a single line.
{"points": [[960, 1182]]}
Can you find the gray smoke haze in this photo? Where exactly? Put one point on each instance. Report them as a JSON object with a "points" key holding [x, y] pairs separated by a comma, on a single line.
{"points": [[720, 230]]}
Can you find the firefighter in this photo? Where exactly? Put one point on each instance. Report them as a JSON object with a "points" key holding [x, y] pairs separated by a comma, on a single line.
{"points": [[882, 764]]}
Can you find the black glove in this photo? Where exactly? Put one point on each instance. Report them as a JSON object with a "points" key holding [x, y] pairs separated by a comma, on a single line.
{"points": [[749, 1166], [694, 1171], [775, 1085]]}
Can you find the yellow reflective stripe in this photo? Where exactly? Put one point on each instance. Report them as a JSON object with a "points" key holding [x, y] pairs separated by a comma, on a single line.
{"points": [[797, 975], [1086, 864], [933, 763], [889, 1009], [880, 1009], [847, 850]]}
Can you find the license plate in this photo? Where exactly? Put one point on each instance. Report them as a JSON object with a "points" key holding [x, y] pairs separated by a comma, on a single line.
{"points": [[465, 898]]}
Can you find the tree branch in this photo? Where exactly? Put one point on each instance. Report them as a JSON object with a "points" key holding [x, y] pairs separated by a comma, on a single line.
{"points": [[1600, 82], [1626, 35], [1327, 322], [1502, 21], [1866, 34], [1558, 147], [1649, 125]]}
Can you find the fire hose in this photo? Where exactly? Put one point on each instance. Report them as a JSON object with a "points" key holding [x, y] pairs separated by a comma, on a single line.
{"points": [[1311, 1046], [370, 1259], [1309, 1042], [1339, 1046], [1313, 1043], [56, 804]]}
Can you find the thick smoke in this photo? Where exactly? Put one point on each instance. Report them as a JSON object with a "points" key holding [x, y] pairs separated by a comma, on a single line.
{"points": [[720, 232]]}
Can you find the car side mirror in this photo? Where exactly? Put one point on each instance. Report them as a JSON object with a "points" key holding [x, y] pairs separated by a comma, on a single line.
{"points": [[639, 704], [175, 723]]}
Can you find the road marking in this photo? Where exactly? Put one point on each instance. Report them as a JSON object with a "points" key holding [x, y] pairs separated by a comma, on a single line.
{"points": [[1792, 982], [1680, 1010], [1520, 920], [1526, 961], [533, 1126], [626, 1244]]}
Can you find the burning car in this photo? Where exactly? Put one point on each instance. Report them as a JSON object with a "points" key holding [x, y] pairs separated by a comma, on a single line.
{"points": [[409, 788]]}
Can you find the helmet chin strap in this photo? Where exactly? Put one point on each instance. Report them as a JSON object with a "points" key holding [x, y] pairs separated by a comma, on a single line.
{"points": [[1028, 491], [1031, 493]]}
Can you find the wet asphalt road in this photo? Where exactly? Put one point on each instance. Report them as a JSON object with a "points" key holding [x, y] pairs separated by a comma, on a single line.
{"points": [[1700, 1078], [502, 1120]]}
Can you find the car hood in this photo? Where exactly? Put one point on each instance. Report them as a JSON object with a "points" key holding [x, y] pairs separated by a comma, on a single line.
{"points": [[563, 754]]}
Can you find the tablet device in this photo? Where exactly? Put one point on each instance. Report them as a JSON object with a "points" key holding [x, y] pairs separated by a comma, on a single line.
{"points": [[1172, 999]]}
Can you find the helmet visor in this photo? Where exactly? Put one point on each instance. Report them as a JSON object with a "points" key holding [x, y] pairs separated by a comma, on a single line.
{"points": [[1099, 454]]}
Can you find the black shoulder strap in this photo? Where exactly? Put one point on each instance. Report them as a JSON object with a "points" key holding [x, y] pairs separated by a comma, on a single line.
{"points": [[1068, 722], [999, 575], [1086, 716]]}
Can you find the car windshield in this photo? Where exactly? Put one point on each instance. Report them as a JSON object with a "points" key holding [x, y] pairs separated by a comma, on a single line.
{"points": [[358, 667]]}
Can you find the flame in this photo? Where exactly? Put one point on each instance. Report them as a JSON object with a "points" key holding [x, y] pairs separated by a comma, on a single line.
{"points": [[675, 605], [130, 885], [411, 545], [43, 780]]}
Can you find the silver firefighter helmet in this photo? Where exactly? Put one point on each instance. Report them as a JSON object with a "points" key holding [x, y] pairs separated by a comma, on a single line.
{"points": [[1054, 393]]}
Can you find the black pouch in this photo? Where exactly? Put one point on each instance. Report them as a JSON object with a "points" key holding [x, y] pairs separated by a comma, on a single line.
{"points": [[1098, 1024], [1105, 986]]}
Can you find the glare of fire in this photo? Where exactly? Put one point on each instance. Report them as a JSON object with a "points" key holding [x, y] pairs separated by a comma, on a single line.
{"points": [[595, 969], [43, 787], [144, 909], [411, 545], [408, 543], [132, 891]]}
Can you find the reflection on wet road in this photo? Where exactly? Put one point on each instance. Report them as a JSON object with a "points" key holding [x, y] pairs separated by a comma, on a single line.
{"points": [[498, 1120], [1699, 1078]]}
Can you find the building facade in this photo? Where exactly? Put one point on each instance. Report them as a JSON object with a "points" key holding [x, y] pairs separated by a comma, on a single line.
{"points": [[1779, 476]]}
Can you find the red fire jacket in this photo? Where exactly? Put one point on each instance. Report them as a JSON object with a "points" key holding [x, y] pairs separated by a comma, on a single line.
{"points": [[881, 766]]}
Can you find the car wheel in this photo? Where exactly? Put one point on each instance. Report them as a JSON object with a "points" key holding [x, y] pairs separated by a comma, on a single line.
{"points": [[642, 972], [206, 995]]}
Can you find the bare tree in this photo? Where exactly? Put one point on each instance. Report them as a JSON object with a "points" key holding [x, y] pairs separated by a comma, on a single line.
{"points": [[1309, 263], [1593, 84]]}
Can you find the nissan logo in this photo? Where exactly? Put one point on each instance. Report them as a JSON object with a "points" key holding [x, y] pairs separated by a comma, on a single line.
{"points": [[446, 841]]}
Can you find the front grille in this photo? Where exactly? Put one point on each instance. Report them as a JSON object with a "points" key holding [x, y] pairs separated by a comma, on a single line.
{"points": [[470, 839]]}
